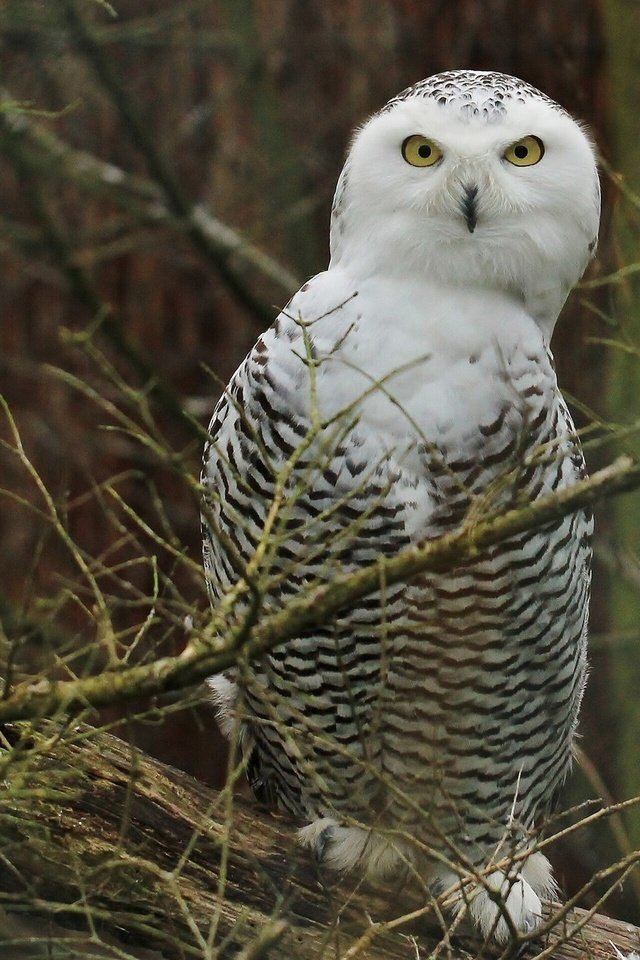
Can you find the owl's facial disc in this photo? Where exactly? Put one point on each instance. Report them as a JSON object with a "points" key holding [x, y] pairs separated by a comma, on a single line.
{"points": [[470, 179]]}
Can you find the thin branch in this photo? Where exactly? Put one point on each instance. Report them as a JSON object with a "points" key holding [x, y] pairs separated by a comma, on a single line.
{"points": [[140, 197], [85, 292], [209, 653], [159, 166], [616, 820]]}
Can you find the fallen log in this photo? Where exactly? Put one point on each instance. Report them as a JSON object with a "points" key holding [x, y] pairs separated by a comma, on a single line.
{"points": [[106, 852]]}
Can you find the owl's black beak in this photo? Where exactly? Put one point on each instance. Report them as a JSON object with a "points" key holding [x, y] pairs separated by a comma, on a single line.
{"points": [[468, 205]]}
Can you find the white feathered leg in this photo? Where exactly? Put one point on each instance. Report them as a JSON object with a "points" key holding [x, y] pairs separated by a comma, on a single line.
{"points": [[343, 848], [501, 895]]}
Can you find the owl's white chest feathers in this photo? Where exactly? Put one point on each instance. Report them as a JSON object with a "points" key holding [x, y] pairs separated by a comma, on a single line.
{"points": [[414, 361]]}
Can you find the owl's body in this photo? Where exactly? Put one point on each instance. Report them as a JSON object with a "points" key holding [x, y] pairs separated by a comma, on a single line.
{"points": [[401, 393]]}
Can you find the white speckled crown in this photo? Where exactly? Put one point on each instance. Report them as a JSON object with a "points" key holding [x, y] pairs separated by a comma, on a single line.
{"points": [[477, 92]]}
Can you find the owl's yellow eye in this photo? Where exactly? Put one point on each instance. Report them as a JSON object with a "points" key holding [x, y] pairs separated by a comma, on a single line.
{"points": [[525, 152], [419, 151]]}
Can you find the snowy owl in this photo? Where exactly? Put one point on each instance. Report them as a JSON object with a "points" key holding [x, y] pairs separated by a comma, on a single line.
{"points": [[424, 731]]}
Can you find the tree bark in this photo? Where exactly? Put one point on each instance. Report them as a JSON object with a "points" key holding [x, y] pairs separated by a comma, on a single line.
{"points": [[108, 850]]}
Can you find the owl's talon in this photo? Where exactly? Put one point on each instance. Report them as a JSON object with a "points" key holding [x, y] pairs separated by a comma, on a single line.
{"points": [[323, 840]]}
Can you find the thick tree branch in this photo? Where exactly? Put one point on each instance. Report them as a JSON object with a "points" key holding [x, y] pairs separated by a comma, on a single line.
{"points": [[95, 836], [210, 653]]}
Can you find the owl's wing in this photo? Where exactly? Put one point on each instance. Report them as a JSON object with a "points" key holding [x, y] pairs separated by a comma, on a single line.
{"points": [[288, 497]]}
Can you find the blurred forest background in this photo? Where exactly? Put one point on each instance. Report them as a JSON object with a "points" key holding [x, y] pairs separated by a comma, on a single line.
{"points": [[166, 175]]}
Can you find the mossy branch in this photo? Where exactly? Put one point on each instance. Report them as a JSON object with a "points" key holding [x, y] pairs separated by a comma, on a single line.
{"points": [[209, 652]]}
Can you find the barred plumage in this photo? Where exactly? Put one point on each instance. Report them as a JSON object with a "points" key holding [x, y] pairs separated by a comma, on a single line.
{"points": [[395, 397]]}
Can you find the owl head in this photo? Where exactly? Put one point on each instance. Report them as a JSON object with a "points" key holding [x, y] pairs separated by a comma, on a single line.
{"points": [[471, 178]]}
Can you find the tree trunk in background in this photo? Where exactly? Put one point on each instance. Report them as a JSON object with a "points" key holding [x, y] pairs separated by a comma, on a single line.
{"points": [[623, 393]]}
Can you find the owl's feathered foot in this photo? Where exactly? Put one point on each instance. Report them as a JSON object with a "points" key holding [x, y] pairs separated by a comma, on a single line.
{"points": [[505, 896], [488, 904], [343, 848], [506, 903]]}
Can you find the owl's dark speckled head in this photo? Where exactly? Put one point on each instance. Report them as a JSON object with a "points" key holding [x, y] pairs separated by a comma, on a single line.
{"points": [[478, 93]]}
